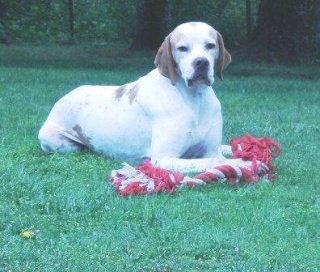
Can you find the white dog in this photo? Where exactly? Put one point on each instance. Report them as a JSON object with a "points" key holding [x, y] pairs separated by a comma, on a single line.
{"points": [[170, 115]]}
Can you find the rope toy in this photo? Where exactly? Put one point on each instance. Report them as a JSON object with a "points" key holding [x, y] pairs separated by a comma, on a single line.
{"points": [[150, 179]]}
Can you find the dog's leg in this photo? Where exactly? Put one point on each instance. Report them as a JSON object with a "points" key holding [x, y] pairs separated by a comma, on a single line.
{"points": [[54, 139], [189, 165], [201, 165]]}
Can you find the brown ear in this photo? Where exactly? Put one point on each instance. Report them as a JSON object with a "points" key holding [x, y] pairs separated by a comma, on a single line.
{"points": [[224, 58], [165, 62]]}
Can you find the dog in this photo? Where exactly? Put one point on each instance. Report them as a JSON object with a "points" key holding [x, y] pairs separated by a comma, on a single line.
{"points": [[171, 115]]}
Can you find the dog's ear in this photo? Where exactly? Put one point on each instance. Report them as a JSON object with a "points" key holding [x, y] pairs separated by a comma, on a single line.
{"points": [[224, 58], [165, 62]]}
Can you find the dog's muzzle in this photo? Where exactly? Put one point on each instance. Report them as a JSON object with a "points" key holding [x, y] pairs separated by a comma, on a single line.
{"points": [[201, 71]]}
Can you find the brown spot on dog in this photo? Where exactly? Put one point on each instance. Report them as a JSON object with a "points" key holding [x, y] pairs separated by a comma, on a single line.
{"points": [[120, 92], [133, 92], [82, 137]]}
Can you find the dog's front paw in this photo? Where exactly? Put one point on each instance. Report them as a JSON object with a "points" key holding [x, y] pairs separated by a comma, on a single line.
{"points": [[262, 169], [256, 166]]}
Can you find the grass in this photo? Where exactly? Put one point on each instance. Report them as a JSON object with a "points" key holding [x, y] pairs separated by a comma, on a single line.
{"points": [[77, 221]]}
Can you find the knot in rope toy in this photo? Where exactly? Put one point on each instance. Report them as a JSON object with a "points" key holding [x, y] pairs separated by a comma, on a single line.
{"points": [[256, 149]]}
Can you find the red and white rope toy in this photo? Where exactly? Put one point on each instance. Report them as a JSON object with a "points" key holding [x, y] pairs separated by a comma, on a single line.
{"points": [[148, 179]]}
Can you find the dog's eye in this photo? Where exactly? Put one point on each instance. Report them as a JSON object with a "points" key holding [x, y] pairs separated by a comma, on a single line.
{"points": [[182, 48], [210, 46]]}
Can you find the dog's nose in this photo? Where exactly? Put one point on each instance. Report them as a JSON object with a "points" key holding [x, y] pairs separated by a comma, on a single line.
{"points": [[200, 63]]}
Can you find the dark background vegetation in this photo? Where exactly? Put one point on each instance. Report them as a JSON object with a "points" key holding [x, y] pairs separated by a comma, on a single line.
{"points": [[282, 31]]}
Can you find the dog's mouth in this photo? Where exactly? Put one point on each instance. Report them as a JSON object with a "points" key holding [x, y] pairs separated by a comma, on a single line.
{"points": [[198, 80]]}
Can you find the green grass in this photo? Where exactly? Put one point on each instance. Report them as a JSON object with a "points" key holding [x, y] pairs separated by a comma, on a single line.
{"points": [[81, 224]]}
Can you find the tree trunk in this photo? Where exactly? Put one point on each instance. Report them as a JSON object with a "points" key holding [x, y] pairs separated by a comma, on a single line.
{"points": [[317, 29], [285, 28], [71, 19], [248, 19], [3, 35], [151, 24]]}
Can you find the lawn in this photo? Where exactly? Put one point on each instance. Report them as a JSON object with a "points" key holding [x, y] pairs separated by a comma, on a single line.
{"points": [[59, 213]]}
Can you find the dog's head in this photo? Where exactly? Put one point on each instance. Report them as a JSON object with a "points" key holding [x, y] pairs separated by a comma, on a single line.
{"points": [[193, 51]]}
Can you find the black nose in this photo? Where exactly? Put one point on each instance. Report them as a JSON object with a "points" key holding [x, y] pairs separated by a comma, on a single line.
{"points": [[200, 63]]}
